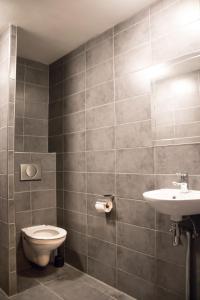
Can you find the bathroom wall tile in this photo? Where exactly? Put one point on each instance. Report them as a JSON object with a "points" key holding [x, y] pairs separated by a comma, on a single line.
{"points": [[100, 139], [35, 144], [100, 117], [74, 142], [101, 272], [74, 65], [23, 219], [74, 103], [142, 240], [47, 182], [36, 110], [56, 109], [74, 162], [102, 251], [135, 160], [137, 18], [100, 53], [133, 186], [55, 126], [140, 105], [132, 37], [99, 38], [74, 84], [75, 221], [134, 135], [99, 183], [168, 160], [77, 242], [100, 95], [101, 228], [35, 127], [100, 73], [74, 181], [136, 263], [158, 26], [36, 76], [37, 94], [135, 212], [135, 286], [136, 59], [43, 199], [75, 201], [166, 279], [22, 201], [45, 216], [131, 85], [74, 122], [165, 250], [46, 160], [100, 161], [77, 260]]}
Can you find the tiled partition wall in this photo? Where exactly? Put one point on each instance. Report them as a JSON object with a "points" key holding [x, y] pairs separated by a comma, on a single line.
{"points": [[100, 127], [8, 47], [32, 98], [35, 201]]}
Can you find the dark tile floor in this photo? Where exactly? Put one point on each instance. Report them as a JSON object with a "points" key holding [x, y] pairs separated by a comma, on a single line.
{"points": [[65, 283]]}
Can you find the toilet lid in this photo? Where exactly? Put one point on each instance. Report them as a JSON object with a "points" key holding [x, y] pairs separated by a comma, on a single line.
{"points": [[44, 232]]}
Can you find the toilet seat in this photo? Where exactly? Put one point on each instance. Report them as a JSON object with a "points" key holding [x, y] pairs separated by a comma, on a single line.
{"points": [[44, 232]]}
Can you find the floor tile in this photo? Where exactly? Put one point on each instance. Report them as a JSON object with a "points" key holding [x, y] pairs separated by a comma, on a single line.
{"points": [[38, 292]]}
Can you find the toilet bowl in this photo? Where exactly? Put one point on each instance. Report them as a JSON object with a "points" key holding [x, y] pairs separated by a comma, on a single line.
{"points": [[40, 241]]}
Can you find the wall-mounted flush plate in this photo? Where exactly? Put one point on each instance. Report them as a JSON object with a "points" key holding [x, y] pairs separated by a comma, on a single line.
{"points": [[30, 172]]}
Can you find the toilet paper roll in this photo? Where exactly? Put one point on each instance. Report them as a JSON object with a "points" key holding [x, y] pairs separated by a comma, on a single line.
{"points": [[104, 206]]}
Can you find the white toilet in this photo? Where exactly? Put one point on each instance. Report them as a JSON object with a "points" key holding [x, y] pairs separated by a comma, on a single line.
{"points": [[39, 241]]}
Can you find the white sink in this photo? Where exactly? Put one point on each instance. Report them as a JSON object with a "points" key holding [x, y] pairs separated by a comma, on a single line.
{"points": [[174, 203]]}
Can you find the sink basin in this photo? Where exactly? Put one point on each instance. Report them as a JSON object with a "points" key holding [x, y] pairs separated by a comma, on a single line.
{"points": [[174, 203]]}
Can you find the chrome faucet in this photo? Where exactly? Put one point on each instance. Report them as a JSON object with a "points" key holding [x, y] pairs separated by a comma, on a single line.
{"points": [[183, 183]]}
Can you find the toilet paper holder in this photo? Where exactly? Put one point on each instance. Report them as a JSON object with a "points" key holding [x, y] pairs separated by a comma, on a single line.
{"points": [[105, 204]]}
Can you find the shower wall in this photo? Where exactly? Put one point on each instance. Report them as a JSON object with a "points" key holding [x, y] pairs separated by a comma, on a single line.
{"points": [[8, 47], [35, 201], [100, 128]]}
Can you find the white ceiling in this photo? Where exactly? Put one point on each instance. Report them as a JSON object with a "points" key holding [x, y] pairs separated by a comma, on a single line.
{"points": [[51, 28]]}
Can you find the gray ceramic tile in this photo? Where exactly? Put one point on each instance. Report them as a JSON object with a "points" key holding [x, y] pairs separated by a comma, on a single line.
{"points": [[74, 84], [132, 37], [136, 263], [135, 212], [36, 94], [135, 286], [132, 135], [142, 239], [100, 53], [133, 186], [135, 160], [75, 221], [102, 272], [100, 73], [74, 162], [43, 199], [100, 161], [131, 85], [100, 95], [102, 251], [101, 228], [75, 201], [140, 105], [74, 103], [101, 184], [74, 122], [74, 142], [36, 292], [100, 139], [100, 117], [74, 181], [44, 216]]}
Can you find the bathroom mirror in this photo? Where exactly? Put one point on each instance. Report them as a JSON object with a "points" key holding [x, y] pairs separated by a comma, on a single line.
{"points": [[175, 92]]}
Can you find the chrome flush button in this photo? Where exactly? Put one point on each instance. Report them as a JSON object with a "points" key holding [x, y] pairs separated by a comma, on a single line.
{"points": [[30, 172]]}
